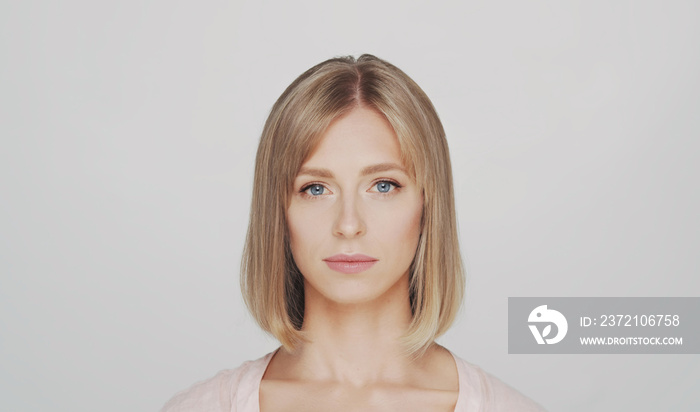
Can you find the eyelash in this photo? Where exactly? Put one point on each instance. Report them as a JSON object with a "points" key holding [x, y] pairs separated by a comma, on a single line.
{"points": [[394, 183]]}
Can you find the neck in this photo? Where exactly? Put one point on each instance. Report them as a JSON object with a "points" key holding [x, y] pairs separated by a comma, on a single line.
{"points": [[357, 343]]}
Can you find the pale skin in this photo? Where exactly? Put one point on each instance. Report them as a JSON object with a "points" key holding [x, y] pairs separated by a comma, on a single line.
{"points": [[353, 195]]}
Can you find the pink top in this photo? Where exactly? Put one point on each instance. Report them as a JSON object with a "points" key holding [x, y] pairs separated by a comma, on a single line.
{"points": [[236, 390]]}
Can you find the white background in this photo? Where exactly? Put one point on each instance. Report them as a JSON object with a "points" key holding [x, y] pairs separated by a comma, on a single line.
{"points": [[128, 134]]}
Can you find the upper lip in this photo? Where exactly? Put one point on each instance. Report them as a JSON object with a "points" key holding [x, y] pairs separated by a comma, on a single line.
{"points": [[357, 257]]}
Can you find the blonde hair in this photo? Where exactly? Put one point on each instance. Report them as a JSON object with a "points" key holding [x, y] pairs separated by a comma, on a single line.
{"points": [[272, 285]]}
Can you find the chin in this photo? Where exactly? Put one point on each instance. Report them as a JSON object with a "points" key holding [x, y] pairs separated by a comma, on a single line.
{"points": [[356, 291]]}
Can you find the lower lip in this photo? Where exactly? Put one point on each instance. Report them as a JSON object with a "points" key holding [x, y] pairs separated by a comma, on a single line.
{"points": [[350, 267]]}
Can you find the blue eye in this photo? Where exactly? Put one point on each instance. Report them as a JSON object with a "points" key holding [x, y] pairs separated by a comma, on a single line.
{"points": [[384, 187], [315, 190]]}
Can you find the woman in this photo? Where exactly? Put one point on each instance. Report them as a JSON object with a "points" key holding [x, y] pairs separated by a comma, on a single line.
{"points": [[351, 258]]}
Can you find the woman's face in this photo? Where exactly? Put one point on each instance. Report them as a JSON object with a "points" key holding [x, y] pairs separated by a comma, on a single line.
{"points": [[355, 214]]}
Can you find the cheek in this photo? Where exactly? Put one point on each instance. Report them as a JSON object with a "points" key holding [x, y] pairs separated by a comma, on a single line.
{"points": [[304, 232], [418, 217], [414, 216], [403, 225]]}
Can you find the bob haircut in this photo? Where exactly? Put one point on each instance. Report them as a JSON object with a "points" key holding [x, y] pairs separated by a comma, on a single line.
{"points": [[272, 285]]}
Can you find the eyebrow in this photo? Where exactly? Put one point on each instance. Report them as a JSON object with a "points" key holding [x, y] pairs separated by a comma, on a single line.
{"points": [[325, 173]]}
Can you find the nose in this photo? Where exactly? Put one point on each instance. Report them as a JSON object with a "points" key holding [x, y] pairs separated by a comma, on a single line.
{"points": [[349, 223]]}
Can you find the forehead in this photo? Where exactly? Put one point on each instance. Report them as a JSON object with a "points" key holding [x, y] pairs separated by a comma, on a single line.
{"points": [[360, 138]]}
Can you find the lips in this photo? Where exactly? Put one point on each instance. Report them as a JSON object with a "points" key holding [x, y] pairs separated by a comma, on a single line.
{"points": [[350, 263], [350, 258]]}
